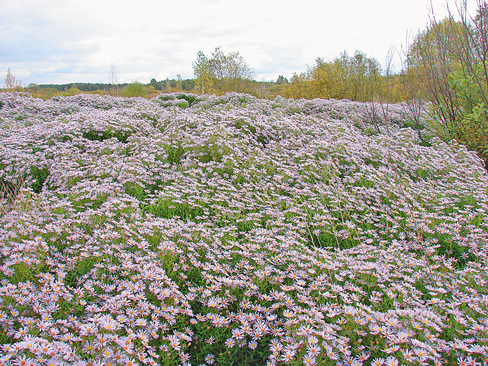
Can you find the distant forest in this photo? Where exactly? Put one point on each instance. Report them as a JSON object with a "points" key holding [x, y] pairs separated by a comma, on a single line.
{"points": [[83, 87], [163, 85], [149, 90]]}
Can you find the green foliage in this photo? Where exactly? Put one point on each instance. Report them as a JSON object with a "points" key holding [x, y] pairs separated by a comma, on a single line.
{"points": [[300, 86], [168, 209], [23, 272], [166, 97], [209, 152], [202, 72], [347, 77], [136, 89], [328, 238], [245, 126], [73, 90], [248, 128], [149, 117], [135, 190], [175, 153], [39, 176], [142, 191], [183, 104], [442, 39], [471, 125], [82, 267], [237, 355], [190, 98], [83, 204], [95, 135], [371, 131], [281, 80]]}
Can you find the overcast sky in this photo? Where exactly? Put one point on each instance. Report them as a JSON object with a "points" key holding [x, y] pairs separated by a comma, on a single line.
{"points": [[64, 41]]}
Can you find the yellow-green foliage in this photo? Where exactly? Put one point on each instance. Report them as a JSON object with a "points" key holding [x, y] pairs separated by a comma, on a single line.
{"points": [[136, 89], [472, 131], [355, 77], [222, 73]]}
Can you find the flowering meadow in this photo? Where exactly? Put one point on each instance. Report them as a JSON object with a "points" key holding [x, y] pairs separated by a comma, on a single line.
{"points": [[204, 230]]}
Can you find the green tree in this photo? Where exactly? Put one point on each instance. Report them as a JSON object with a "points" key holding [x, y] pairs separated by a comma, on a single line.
{"points": [[33, 88], [281, 80], [347, 77], [231, 71], [154, 84], [222, 72], [73, 90], [300, 86], [135, 89], [358, 71], [179, 82], [432, 57], [202, 72]]}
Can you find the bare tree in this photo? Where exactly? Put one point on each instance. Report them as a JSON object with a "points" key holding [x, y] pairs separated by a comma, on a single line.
{"points": [[11, 83], [385, 102], [114, 80], [375, 90]]}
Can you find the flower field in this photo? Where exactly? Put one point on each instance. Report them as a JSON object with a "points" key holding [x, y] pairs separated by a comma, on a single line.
{"points": [[203, 230]]}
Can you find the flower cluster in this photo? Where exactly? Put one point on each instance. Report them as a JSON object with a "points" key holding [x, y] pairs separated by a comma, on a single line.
{"points": [[200, 230]]}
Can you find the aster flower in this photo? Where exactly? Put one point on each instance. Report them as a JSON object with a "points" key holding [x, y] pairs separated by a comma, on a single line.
{"points": [[288, 356], [308, 360], [210, 359]]}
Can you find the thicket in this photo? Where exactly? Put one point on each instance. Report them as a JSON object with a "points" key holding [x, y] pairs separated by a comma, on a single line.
{"points": [[448, 65]]}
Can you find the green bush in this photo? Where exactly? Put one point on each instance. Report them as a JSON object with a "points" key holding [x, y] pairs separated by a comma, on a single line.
{"points": [[190, 98], [472, 131], [471, 125]]}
